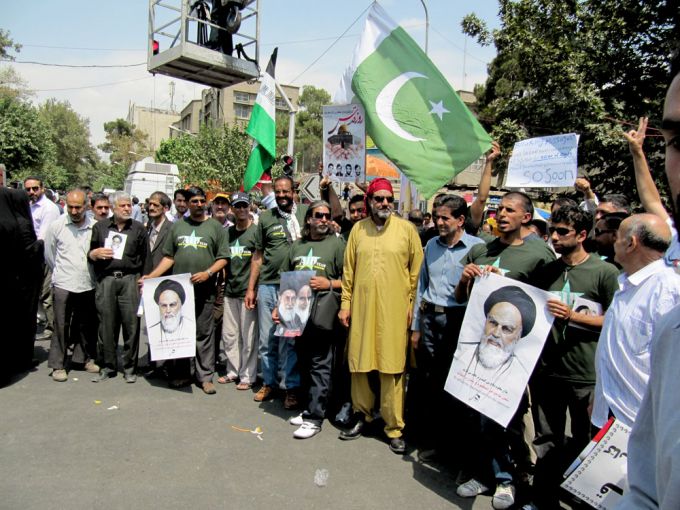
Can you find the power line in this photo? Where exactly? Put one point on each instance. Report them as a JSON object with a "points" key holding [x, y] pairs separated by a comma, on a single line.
{"points": [[456, 46], [332, 44], [93, 86], [78, 48], [71, 65]]}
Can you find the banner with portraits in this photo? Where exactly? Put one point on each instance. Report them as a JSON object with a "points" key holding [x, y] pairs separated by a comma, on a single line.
{"points": [[170, 316], [295, 302], [344, 143], [505, 326]]}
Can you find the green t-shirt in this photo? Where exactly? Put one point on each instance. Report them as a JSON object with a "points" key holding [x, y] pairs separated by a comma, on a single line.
{"points": [[271, 239], [195, 246], [569, 351], [241, 247], [324, 256], [517, 262]]}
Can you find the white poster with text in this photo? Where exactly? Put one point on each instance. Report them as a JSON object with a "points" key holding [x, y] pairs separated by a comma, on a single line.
{"points": [[544, 162]]}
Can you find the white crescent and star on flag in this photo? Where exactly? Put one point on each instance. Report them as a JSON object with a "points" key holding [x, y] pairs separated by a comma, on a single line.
{"points": [[385, 100]]}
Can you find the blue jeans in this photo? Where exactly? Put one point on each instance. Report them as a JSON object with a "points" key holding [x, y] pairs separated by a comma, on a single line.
{"points": [[275, 352]]}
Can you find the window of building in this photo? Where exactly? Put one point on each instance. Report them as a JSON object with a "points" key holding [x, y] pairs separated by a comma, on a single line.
{"points": [[242, 111], [243, 97]]}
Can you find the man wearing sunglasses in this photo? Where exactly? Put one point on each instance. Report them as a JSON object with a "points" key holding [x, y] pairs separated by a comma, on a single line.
{"points": [[564, 379], [604, 235], [44, 212], [198, 245], [381, 267]]}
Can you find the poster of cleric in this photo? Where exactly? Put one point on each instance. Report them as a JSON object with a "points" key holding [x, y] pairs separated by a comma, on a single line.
{"points": [[503, 332], [344, 149], [295, 303], [170, 316]]}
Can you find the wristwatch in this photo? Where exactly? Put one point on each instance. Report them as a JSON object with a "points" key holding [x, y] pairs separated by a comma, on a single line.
{"points": [[210, 273]]}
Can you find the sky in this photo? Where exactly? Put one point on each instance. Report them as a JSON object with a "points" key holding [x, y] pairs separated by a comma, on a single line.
{"points": [[86, 32]]}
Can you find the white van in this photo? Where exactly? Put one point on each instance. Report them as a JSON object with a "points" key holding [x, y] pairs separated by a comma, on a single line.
{"points": [[147, 176]]}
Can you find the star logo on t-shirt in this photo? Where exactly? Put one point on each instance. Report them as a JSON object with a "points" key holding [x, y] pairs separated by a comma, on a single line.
{"points": [[308, 262], [192, 240], [236, 250]]}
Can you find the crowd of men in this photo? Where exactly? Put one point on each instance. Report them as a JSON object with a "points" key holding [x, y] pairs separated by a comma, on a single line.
{"points": [[402, 288]]}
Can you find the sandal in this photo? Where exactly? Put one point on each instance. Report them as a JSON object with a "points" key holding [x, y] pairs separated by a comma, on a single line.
{"points": [[244, 386], [226, 379]]}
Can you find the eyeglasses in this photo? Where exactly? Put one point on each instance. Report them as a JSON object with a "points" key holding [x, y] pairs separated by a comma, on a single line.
{"points": [[197, 201], [599, 232], [33, 188], [561, 231], [322, 215], [380, 200]]}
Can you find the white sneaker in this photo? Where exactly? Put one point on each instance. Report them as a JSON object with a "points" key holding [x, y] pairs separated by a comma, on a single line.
{"points": [[306, 430], [504, 497], [296, 420], [471, 488], [344, 414]]}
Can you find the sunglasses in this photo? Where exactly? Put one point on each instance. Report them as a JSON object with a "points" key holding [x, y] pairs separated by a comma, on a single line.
{"points": [[33, 188], [380, 200], [561, 231], [599, 232], [322, 215], [240, 205]]}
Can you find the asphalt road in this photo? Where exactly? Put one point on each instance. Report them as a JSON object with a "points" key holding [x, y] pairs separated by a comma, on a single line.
{"points": [[80, 445]]}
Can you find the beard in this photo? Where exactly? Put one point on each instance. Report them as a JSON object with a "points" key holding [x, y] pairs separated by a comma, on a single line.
{"points": [[303, 314], [676, 211], [287, 315], [490, 355], [170, 322], [382, 214]]}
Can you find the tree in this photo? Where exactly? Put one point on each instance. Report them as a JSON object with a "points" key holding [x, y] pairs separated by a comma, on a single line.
{"points": [[557, 70], [7, 45], [75, 158], [125, 144], [215, 159], [309, 127], [25, 143]]}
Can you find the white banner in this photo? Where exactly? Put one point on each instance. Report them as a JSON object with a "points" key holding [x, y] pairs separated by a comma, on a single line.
{"points": [[505, 326], [544, 162], [602, 478], [344, 144], [170, 316]]}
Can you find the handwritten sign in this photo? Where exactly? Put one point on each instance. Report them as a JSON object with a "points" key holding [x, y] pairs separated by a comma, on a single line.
{"points": [[601, 479], [544, 162]]}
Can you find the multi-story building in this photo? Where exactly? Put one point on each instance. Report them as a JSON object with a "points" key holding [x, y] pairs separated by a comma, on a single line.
{"points": [[154, 122]]}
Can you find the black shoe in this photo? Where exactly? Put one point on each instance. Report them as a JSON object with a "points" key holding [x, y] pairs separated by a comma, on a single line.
{"points": [[104, 374], [427, 456], [354, 432], [398, 445]]}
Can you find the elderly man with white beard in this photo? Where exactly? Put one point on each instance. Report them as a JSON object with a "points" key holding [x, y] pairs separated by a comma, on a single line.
{"points": [[170, 297], [303, 302], [510, 316]]}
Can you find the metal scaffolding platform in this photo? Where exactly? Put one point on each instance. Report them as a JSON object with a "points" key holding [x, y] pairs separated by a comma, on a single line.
{"points": [[171, 22]]}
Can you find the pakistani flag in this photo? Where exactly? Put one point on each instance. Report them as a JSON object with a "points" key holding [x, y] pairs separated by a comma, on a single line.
{"points": [[413, 115], [262, 127]]}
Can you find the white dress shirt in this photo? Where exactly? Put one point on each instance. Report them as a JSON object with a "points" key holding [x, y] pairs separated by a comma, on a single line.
{"points": [[622, 360], [44, 212], [66, 249]]}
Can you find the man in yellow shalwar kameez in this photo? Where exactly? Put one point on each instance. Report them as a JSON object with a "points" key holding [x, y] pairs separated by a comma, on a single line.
{"points": [[381, 267]]}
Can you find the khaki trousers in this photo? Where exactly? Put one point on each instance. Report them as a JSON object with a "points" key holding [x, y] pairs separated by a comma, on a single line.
{"points": [[391, 400]]}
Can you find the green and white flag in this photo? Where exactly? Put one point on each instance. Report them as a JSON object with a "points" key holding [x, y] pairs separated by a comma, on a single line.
{"points": [[262, 127], [412, 114]]}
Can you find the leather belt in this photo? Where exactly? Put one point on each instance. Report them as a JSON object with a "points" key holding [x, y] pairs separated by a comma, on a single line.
{"points": [[432, 308]]}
